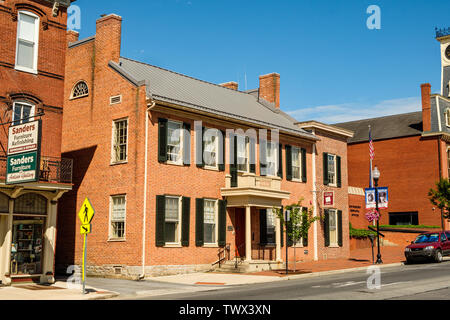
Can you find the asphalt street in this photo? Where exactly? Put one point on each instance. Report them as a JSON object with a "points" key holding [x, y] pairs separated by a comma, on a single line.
{"points": [[408, 282]]}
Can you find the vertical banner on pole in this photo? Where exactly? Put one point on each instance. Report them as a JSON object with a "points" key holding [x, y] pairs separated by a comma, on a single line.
{"points": [[86, 214]]}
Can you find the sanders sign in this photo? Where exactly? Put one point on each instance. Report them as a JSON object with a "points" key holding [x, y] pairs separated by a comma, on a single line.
{"points": [[24, 137]]}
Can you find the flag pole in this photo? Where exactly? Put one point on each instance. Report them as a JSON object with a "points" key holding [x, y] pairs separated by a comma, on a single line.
{"points": [[371, 162]]}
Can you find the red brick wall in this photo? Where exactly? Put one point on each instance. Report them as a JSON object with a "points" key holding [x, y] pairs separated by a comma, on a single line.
{"points": [[47, 86], [409, 167], [357, 208]]}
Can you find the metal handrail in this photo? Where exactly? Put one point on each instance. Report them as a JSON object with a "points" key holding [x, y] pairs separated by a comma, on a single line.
{"points": [[222, 251], [236, 255]]}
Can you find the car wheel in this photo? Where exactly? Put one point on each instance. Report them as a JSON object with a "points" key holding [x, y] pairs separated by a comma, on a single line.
{"points": [[438, 256], [409, 261]]}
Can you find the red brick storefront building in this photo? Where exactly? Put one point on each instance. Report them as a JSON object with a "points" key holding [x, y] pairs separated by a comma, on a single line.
{"points": [[152, 167], [411, 152], [32, 62]]}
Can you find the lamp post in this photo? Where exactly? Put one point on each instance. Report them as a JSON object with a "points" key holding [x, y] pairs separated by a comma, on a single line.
{"points": [[376, 175]]}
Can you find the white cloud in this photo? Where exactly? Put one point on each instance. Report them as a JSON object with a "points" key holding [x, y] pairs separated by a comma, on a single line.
{"points": [[357, 110]]}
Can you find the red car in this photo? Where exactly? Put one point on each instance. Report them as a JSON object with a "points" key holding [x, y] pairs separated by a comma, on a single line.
{"points": [[430, 245]]}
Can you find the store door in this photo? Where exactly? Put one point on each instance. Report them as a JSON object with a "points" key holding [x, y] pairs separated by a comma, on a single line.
{"points": [[239, 218]]}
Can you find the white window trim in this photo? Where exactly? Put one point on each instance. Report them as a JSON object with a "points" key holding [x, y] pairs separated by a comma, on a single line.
{"points": [[299, 161], [277, 146], [111, 204], [32, 112], [247, 154], [73, 88], [209, 167], [116, 96], [180, 160], [335, 171], [447, 118], [333, 244], [216, 229], [113, 156], [178, 243], [36, 48]]}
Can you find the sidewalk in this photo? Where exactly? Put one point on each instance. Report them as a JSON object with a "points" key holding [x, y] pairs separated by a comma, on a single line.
{"points": [[58, 291], [360, 258]]}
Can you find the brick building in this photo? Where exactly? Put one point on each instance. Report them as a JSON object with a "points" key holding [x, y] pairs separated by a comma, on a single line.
{"points": [[32, 55], [173, 180], [411, 151]]}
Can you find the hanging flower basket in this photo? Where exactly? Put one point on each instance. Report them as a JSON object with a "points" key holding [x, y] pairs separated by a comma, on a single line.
{"points": [[373, 215]]}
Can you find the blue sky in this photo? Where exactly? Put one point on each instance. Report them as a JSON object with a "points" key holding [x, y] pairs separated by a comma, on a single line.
{"points": [[332, 67]]}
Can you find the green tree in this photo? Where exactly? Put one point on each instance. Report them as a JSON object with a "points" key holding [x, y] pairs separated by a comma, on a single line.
{"points": [[441, 197], [300, 221]]}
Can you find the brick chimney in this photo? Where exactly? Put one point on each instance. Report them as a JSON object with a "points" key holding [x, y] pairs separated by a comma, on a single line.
{"points": [[269, 88], [230, 85], [426, 106], [108, 40]]}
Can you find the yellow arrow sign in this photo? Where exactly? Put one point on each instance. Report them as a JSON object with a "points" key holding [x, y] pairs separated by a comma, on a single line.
{"points": [[85, 229], [86, 212]]}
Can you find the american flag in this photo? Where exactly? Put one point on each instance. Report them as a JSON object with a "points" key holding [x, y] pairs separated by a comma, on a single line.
{"points": [[371, 148]]}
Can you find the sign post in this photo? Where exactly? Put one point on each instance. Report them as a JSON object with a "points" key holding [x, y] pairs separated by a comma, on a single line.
{"points": [[287, 219], [86, 214]]}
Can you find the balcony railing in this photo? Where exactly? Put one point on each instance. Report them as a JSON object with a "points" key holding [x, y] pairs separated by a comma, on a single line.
{"points": [[53, 170], [247, 180]]}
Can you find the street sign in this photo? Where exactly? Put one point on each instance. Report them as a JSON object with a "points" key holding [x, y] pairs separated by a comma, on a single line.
{"points": [[22, 168], [86, 213], [85, 229]]}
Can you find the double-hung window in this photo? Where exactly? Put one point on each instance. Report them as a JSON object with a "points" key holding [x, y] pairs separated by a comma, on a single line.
{"points": [[120, 141], [27, 42], [271, 224], [22, 113], [118, 214], [210, 147], [272, 158], [210, 222], [242, 153], [332, 170], [175, 142], [296, 164], [172, 230]]}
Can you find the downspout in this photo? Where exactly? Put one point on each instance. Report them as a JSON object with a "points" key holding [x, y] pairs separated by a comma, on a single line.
{"points": [[144, 224], [440, 176], [316, 256]]}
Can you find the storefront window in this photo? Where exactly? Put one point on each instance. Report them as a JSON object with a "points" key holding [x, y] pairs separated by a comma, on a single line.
{"points": [[27, 245]]}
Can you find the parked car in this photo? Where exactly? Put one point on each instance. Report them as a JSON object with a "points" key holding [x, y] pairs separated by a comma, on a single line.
{"points": [[429, 246]]}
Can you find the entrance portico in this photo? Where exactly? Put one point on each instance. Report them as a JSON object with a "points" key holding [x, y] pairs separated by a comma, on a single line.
{"points": [[256, 192]]}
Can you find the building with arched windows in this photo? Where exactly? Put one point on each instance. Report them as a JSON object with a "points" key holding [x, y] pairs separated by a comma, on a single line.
{"points": [[32, 63]]}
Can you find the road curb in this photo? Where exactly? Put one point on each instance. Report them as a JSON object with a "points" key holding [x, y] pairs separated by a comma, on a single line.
{"points": [[105, 296]]}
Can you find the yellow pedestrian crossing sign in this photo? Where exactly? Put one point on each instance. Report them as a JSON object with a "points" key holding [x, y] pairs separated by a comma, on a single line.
{"points": [[85, 229], [86, 213]]}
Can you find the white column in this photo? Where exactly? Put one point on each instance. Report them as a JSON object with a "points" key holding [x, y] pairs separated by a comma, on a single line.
{"points": [[6, 248], [49, 243], [248, 234], [278, 239]]}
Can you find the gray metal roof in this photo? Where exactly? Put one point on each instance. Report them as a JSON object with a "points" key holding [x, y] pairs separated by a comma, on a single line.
{"points": [[169, 86], [396, 126]]}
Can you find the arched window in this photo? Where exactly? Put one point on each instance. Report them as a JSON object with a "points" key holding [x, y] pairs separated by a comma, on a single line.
{"points": [[80, 90], [23, 112], [30, 203], [447, 117]]}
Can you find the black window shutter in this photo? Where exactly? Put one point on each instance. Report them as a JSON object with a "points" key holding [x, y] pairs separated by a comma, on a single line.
{"points": [[199, 220], [288, 163], [338, 173], [280, 161], [305, 218], [339, 221], [281, 228], [221, 152], [326, 228], [252, 155], [263, 226], [222, 223], [233, 164], [185, 219], [162, 140], [199, 147], [263, 157], [160, 220], [187, 144], [325, 169], [304, 166]]}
